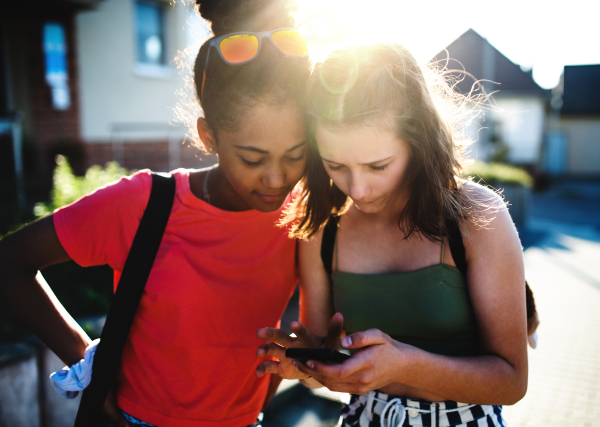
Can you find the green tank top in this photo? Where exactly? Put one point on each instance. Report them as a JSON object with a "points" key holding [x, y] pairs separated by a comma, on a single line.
{"points": [[428, 308]]}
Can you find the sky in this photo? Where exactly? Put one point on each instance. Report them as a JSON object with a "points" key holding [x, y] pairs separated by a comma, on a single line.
{"points": [[543, 35], [540, 35]]}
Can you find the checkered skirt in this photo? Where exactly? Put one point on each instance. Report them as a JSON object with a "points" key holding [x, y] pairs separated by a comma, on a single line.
{"points": [[376, 409]]}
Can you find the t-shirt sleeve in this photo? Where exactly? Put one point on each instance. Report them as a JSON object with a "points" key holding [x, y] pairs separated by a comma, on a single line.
{"points": [[99, 227]]}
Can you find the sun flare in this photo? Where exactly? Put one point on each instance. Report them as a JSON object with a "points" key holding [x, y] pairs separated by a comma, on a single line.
{"points": [[333, 23]]}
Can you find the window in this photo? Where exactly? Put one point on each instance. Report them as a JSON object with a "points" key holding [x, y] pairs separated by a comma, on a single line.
{"points": [[55, 54], [150, 23]]}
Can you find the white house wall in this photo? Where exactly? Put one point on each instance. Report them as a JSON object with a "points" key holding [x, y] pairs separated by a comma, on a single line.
{"points": [[583, 142], [521, 127], [519, 123], [113, 89]]}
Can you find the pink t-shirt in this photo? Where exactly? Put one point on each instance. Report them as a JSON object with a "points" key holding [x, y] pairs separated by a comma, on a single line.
{"points": [[217, 278]]}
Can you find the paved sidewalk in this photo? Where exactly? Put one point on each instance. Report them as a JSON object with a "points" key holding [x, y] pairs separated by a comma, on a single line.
{"points": [[563, 269]]}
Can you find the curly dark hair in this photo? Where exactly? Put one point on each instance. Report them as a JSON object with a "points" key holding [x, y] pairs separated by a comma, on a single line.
{"points": [[271, 78]]}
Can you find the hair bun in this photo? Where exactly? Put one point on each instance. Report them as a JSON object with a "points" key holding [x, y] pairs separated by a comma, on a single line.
{"points": [[228, 16]]}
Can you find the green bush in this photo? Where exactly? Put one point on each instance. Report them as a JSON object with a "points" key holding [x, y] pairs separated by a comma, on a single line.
{"points": [[67, 187], [82, 291], [498, 174]]}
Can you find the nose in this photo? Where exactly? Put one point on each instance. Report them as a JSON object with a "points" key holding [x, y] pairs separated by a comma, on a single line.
{"points": [[358, 187], [275, 177]]}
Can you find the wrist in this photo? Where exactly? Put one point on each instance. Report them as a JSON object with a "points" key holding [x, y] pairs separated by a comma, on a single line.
{"points": [[409, 360]]}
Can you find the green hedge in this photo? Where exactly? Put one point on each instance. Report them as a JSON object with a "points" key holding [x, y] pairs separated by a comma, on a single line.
{"points": [[82, 291], [498, 174], [68, 187]]}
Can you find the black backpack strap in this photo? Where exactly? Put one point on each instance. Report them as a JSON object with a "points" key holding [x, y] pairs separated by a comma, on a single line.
{"points": [[126, 299], [457, 248], [328, 243]]}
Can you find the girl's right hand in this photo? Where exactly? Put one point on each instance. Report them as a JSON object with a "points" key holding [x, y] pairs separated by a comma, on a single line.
{"points": [[304, 338]]}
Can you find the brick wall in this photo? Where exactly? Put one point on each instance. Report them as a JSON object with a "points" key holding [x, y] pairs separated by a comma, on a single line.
{"points": [[52, 126], [43, 124], [141, 155]]}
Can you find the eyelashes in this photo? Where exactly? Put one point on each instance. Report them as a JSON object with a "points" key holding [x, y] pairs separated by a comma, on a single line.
{"points": [[334, 168], [249, 163], [296, 159], [260, 162], [339, 167]]}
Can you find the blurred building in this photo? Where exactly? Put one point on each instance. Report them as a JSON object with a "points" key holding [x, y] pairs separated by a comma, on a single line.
{"points": [[578, 137], [93, 79], [514, 129]]}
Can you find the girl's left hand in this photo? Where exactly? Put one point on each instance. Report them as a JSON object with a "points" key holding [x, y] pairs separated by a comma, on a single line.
{"points": [[376, 365], [279, 341]]}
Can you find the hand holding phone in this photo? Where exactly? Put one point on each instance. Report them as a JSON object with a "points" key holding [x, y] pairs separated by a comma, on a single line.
{"points": [[323, 355]]}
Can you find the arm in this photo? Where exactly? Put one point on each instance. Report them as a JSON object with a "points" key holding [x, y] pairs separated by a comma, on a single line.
{"points": [[22, 254], [499, 375], [316, 307], [318, 328]]}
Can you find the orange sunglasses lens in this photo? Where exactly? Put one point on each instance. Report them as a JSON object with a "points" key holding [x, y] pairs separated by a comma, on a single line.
{"points": [[291, 42], [239, 48]]}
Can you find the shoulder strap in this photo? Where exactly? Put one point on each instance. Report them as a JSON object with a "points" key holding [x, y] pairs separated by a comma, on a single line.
{"points": [[457, 247], [127, 298], [328, 243]]}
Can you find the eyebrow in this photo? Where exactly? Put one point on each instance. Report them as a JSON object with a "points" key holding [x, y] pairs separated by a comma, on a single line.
{"points": [[362, 164], [261, 151]]}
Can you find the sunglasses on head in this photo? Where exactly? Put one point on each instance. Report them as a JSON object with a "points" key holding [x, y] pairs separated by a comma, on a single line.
{"points": [[242, 47]]}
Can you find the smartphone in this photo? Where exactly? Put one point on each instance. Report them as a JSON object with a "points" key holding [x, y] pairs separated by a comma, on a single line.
{"points": [[323, 355]]}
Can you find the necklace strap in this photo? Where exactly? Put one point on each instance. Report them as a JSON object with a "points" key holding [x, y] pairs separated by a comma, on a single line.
{"points": [[205, 194]]}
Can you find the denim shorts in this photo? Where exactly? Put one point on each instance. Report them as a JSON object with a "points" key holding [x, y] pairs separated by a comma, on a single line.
{"points": [[134, 421]]}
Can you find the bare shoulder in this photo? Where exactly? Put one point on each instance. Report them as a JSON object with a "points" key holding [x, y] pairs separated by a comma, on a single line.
{"points": [[481, 200], [486, 208], [489, 225]]}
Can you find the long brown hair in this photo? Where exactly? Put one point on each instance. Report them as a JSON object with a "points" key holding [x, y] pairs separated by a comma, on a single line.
{"points": [[371, 83]]}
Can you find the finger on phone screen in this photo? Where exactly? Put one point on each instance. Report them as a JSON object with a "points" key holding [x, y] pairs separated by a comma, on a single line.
{"points": [[276, 335], [302, 331], [334, 331]]}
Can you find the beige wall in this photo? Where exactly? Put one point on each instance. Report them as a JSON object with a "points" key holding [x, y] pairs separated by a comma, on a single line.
{"points": [[583, 144], [113, 88], [523, 122], [520, 122]]}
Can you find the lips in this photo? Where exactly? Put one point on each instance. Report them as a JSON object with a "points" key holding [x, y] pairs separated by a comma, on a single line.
{"points": [[268, 198], [364, 202]]}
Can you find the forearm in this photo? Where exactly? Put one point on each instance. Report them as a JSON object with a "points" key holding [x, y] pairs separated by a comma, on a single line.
{"points": [[487, 379], [35, 304], [311, 383]]}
